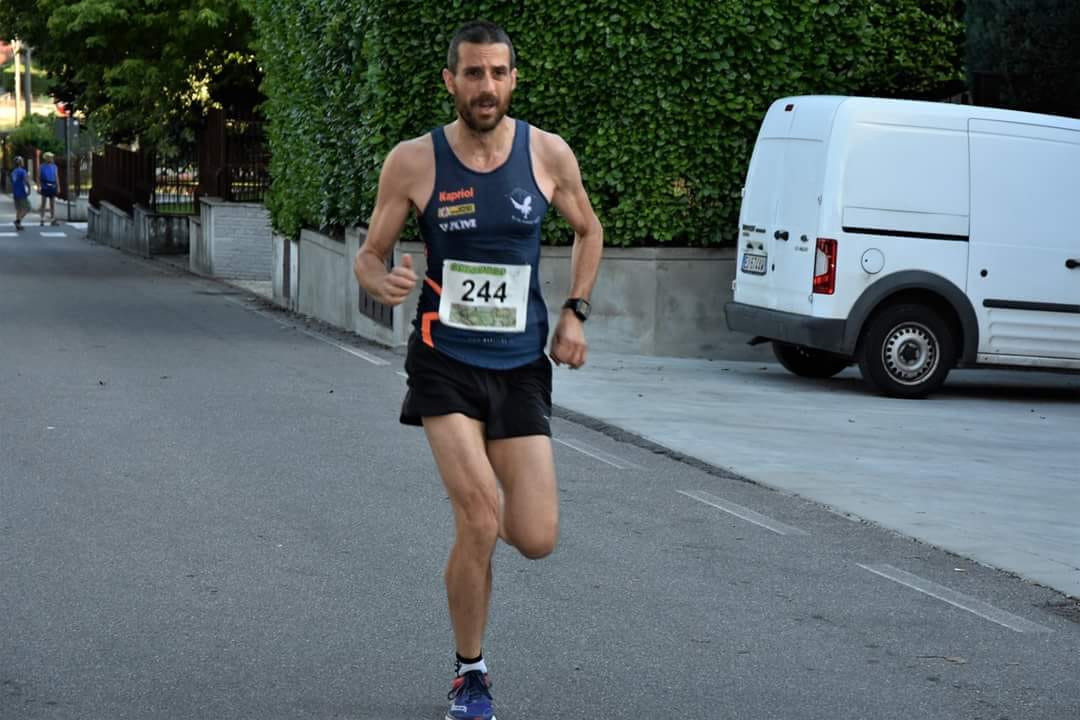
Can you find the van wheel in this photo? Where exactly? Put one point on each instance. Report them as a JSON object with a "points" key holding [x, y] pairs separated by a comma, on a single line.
{"points": [[808, 362], [906, 351]]}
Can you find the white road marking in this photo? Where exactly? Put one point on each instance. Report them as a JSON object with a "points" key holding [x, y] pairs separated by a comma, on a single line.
{"points": [[956, 599], [7, 234], [600, 455], [374, 360], [403, 374], [53, 234], [744, 513]]}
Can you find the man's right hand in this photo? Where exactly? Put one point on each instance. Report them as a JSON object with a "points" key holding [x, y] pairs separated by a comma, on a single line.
{"points": [[398, 283]]}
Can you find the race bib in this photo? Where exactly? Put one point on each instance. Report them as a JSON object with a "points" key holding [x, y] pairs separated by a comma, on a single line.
{"points": [[484, 296]]}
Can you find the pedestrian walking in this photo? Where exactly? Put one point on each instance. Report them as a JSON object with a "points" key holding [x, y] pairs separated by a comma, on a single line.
{"points": [[48, 186], [20, 191], [479, 381]]}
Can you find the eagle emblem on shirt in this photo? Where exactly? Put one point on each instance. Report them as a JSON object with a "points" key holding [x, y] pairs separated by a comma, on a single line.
{"points": [[522, 201]]}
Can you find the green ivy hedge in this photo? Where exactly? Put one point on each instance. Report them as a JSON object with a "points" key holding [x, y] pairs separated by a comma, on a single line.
{"points": [[661, 101]]}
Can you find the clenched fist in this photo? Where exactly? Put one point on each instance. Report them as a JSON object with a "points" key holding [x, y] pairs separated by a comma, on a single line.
{"points": [[568, 346], [398, 283]]}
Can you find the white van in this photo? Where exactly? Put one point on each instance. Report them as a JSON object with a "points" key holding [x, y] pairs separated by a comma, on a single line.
{"points": [[910, 237]]}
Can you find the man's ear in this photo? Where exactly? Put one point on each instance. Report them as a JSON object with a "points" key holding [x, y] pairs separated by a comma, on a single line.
{"points": [[448, 81]]}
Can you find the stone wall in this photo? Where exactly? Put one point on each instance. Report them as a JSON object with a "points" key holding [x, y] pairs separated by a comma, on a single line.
{"points": [[115, 228], [157, 234], [235, 241], [141, 233], [647, 301], [323, 283]]}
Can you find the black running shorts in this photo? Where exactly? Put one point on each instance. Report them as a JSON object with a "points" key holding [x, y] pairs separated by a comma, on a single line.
{"points": [[510, 403]]}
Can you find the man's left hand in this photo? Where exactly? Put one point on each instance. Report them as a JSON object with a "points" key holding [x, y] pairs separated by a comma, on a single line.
{"points": [[568, 346]]}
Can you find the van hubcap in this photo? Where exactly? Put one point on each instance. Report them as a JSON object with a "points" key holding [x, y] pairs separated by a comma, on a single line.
{"points": [[910, 353]]}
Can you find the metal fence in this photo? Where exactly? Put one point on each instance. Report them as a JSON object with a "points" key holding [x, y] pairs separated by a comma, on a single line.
{"points": [[79, 183], [176, 185], [234, 157], [124, 178], [375, 310]]}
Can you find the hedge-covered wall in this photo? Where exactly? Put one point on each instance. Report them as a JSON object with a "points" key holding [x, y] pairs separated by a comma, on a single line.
{"points": [[661, 101]]}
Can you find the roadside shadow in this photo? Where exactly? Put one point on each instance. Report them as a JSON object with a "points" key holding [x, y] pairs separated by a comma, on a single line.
{"points": [[962, 384], [1042, 391]]}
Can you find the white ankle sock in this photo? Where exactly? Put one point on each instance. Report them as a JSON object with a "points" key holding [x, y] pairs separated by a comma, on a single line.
{"points": [[481, 666]]}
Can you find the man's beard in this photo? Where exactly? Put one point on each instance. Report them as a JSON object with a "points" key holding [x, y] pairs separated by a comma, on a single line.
{"points": [[474, 123]]}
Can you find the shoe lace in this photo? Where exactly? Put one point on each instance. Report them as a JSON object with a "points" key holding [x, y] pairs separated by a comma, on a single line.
{"points": [[470, 686]]}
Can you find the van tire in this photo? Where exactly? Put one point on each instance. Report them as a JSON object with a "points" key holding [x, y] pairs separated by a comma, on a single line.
{"points": [[807, 362], [906, 351]]}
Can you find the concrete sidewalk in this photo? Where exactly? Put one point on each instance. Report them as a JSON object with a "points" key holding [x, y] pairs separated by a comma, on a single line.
{"points": [[987, 468]]}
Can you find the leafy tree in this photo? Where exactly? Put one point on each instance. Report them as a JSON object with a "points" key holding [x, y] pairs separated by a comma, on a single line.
{"points": [[143, 69], [36, 131]]}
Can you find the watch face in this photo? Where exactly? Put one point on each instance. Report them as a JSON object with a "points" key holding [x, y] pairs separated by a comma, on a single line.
{"points": [[580, 307]]}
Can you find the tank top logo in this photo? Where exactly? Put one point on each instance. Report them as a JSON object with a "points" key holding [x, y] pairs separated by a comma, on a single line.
{"points": [[521, 202], [457, 225], [456, 195]]}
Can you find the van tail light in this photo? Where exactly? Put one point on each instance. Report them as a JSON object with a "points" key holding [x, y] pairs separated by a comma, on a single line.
{"points": [[825, 267]]}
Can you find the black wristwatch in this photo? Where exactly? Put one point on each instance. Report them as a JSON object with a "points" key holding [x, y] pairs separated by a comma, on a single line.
{"points": [[580, 307]]}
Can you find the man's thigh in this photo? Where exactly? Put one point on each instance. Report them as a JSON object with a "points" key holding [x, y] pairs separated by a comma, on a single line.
{"points": [[525, 467], [457, 444]]}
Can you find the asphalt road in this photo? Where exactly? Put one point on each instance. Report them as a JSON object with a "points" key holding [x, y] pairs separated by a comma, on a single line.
{"points": [[208, 510]]}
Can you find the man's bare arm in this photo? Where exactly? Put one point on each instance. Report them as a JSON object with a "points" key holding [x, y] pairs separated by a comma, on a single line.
{"points": [[392, 204], [570, 199], [572, 202]]}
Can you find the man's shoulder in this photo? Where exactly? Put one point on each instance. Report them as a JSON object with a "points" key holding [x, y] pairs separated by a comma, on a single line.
{"points": [[549, 147], [413, 152]]}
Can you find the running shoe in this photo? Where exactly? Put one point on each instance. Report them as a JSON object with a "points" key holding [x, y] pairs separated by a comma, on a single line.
{"points": [[470, 697]]}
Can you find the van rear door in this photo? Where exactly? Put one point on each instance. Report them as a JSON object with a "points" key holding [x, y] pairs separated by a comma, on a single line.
{"points": [[781, 208]]}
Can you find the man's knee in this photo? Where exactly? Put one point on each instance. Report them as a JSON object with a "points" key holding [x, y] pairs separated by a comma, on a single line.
{"points": [[478, 519], [536, 545]]}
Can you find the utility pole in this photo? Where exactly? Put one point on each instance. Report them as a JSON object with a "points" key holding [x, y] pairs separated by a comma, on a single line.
{"points": [[28, 91], [17, 47], [67, 159]]}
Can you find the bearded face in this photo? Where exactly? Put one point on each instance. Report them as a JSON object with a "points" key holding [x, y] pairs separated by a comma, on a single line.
{"points": [[483, 85]]}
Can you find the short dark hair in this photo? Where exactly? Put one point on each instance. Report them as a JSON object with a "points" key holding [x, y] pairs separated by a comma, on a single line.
{"points": [[479, 32]]}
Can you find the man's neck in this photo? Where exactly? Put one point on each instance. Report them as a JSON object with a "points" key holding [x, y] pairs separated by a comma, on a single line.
{"points": [[481, 149]]}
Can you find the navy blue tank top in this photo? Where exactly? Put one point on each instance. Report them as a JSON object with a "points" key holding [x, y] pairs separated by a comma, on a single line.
{"points": [[481, 218]]}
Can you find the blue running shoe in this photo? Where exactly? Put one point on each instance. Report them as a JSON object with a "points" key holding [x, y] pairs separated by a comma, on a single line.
{"points": [[470, 697]]}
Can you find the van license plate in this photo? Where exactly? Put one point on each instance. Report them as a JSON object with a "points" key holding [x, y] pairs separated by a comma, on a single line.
{"points": [[754, 264]]}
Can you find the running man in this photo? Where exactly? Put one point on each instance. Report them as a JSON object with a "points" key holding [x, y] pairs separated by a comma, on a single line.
{"points": [[479, 381]]}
